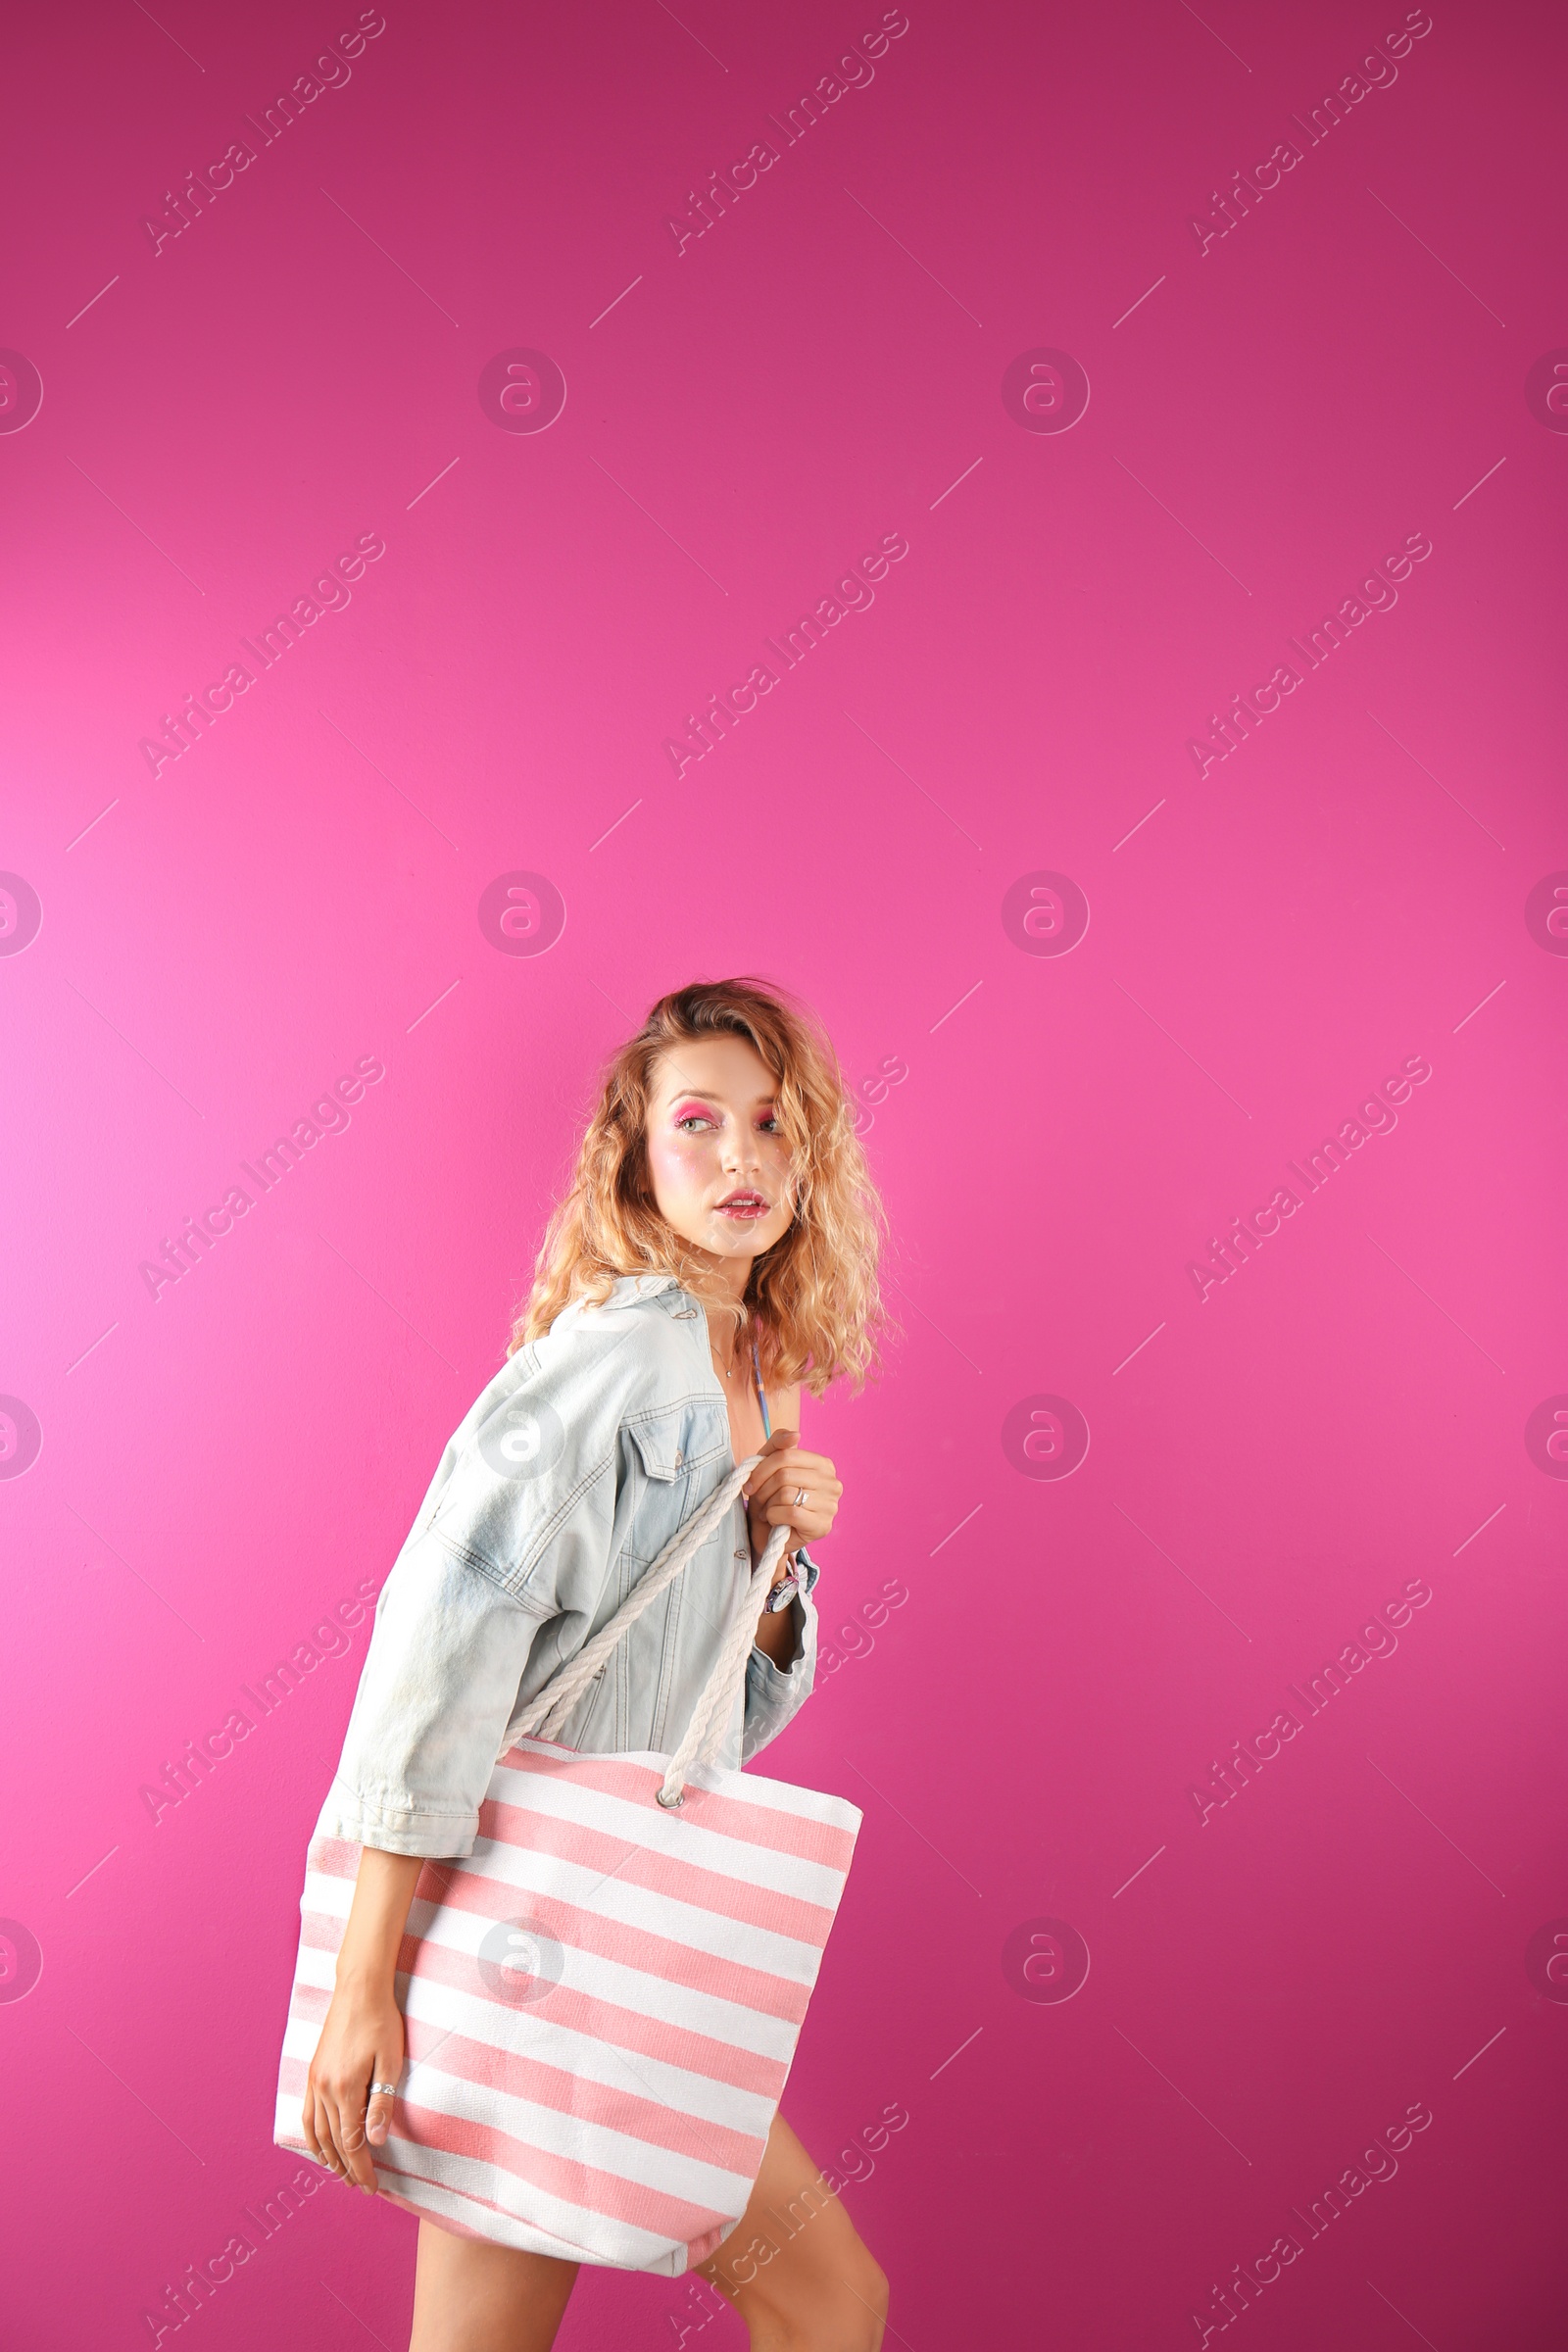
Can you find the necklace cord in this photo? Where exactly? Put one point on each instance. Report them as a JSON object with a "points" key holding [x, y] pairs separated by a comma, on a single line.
{"points": [[728, 1372]]}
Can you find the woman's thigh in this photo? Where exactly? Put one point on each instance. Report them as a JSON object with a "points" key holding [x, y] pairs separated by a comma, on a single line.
{"points": [[794, 2266], [471, 2296]]}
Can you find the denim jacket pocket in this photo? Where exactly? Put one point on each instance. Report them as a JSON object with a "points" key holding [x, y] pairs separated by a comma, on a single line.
{"points": [[656, 1437]]}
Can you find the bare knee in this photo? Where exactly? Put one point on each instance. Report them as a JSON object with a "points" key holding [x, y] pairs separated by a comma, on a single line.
{"points": [[873, 2299], [839, 2310], [858, 2315], [870, 2297]]}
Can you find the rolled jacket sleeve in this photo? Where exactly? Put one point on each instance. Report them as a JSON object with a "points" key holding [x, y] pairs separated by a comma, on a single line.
{"points": [[776, 1693], [437, 1690]]}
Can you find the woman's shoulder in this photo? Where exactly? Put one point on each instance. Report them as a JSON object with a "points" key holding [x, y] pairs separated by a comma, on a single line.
{"points": [[599, 1365], [556, 1427], [642, 1336], [550, 1425]]}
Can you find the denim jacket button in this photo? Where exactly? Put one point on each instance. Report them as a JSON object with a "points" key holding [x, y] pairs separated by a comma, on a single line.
{"points": [[679, 1457]]}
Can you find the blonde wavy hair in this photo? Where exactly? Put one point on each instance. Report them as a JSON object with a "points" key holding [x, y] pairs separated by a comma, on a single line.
{"points": [[813, 1298]]}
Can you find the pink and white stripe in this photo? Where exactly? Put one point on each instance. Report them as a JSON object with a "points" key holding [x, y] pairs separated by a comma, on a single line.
{"points": [[621, 2117]]}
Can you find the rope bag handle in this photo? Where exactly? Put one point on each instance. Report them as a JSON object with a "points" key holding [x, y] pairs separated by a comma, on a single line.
{"points": [[546, 1713]]}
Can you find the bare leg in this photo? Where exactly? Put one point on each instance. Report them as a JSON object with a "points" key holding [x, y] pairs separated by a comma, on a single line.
{"points": [[472, 2296], [794, 2267]]}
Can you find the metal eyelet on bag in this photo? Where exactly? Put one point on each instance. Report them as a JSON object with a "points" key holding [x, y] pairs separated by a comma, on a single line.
{"points": [[668, 1801]]}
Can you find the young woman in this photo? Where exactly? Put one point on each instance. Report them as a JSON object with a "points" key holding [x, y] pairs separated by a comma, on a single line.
{"points": [[714, 1252]]}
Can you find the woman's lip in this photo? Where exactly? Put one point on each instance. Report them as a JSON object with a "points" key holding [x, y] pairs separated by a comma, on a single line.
{"points": [[746, 1206]]}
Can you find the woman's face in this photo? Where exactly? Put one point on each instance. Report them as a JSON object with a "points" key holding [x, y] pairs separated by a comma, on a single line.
{"points": [[718, 1166]]}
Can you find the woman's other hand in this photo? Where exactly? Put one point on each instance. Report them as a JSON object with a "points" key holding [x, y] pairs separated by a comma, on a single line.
{"points": [[361, 2039], [361, 2043]]}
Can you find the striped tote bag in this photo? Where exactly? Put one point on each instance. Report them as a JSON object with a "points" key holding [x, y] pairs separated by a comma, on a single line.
{"points": [[601, 2001]]}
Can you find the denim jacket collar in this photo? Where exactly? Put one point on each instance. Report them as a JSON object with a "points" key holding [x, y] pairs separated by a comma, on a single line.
{"points": [[635, 1289], [627, 1288]]}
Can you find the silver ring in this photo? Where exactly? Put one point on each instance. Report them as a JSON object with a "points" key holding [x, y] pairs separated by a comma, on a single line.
{"points": [[800, 1493], [386, 2090]]}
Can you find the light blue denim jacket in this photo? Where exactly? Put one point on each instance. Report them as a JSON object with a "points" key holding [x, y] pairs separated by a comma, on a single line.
{"points": [[562, 1484]]}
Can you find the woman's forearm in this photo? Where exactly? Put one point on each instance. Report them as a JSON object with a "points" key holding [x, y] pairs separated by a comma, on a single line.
{"points": [[368, 1957], [361, 2043]]}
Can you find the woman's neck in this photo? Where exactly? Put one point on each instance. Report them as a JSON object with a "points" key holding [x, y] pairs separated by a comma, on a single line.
{"points": [[728, 1334], [719, 1287], [722, 1281]]}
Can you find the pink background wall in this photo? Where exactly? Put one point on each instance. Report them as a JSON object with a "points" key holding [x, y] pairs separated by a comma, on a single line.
{"points": [[1364, 1406]]}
